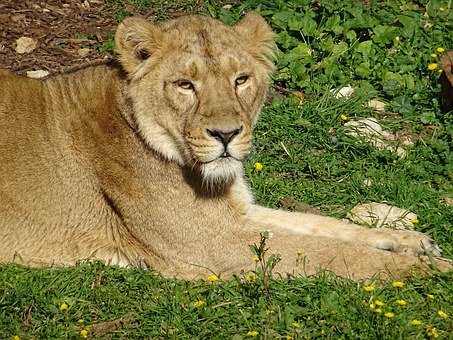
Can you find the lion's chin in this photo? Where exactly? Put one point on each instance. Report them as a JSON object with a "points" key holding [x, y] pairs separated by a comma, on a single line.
{"points": [[220, 171]]}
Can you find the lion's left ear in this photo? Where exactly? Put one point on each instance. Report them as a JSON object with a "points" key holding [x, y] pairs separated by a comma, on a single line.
{"points": [[136, 39], [259, 37]]}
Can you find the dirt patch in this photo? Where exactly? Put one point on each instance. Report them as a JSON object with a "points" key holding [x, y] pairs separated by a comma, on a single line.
{"points": [[102, 328], [70, 33], [61, 29]]}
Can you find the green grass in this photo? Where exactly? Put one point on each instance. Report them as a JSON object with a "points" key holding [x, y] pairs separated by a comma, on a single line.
{"points": [[322, 306], [156, 9], [306, 155], [327, 168]]}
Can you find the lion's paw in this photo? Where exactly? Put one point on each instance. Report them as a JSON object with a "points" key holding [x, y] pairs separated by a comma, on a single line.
{"points": [[404, 241]]}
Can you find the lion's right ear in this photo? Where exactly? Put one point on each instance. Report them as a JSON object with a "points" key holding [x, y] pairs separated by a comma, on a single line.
{"points": [[258, 35], [136, 39]]}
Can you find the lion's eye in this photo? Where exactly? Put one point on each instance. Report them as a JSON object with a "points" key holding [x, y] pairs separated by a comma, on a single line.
{"points": [[185, 84], [241, 80]]}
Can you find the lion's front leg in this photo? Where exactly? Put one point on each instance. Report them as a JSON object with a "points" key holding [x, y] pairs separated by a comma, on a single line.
{"points": [[316, 225]]}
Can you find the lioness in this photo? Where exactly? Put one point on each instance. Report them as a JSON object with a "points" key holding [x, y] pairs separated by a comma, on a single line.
{"points": [[140, 164]]}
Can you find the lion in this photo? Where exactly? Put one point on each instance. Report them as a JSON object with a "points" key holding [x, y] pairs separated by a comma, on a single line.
{"points": [[139, 163]]}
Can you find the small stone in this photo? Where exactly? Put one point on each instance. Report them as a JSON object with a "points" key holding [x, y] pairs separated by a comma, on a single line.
{"points": [[448, 201], [37, 74], [344, 92], [372, 132], [382, 215], [427, 25], [367, 182], [25, 45], [376, 105], [83, 52]]}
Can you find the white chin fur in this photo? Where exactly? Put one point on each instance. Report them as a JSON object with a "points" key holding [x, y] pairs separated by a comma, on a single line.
{"points": [[222, 170]]}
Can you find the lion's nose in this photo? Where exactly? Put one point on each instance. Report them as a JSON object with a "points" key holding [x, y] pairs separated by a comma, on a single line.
{"points": [[224, 136]]}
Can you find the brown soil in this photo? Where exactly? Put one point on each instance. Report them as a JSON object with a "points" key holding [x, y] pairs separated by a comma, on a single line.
{"points": [[61, 28]]}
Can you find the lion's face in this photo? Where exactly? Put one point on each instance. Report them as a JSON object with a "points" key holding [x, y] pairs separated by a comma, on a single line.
{"points": [[197, 87]]}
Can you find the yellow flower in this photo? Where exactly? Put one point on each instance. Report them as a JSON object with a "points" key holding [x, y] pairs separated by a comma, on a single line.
{"points": [[250, 277], [398, 284], [372, 306], [416, 322], [430, 296], [414, 220], [16, 337], [344, 117], [378, 310], [401, 302], [432, 66], [84, 333], [256, 258], [432, 331], [295, 324], [369, 288], [389, 315], [440, 50], [379, 303], [258, 166], [213, 278], [289, 337], [252, 333], [442, 314], [81, 321], [64, 307], [199, 303]]}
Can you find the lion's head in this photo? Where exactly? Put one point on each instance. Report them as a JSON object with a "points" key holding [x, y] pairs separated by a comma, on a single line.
{"points": [[197, 86]]}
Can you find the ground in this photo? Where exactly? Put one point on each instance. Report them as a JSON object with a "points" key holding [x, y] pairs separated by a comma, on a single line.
{"points": [[303, 156]]}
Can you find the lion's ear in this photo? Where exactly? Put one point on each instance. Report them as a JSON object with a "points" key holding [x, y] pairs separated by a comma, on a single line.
{"points": [[259, 36], [136, 39]]}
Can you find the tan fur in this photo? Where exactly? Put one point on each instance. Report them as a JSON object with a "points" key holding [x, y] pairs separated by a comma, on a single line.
{"points": [[117, 163]]}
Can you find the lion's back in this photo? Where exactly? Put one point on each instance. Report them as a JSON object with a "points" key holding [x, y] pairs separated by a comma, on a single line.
{"points": [[45, 176]]}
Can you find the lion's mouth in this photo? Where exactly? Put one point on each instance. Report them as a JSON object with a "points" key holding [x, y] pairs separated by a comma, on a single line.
{"points": [[225, 154], [224, 158], [220, 169]]}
